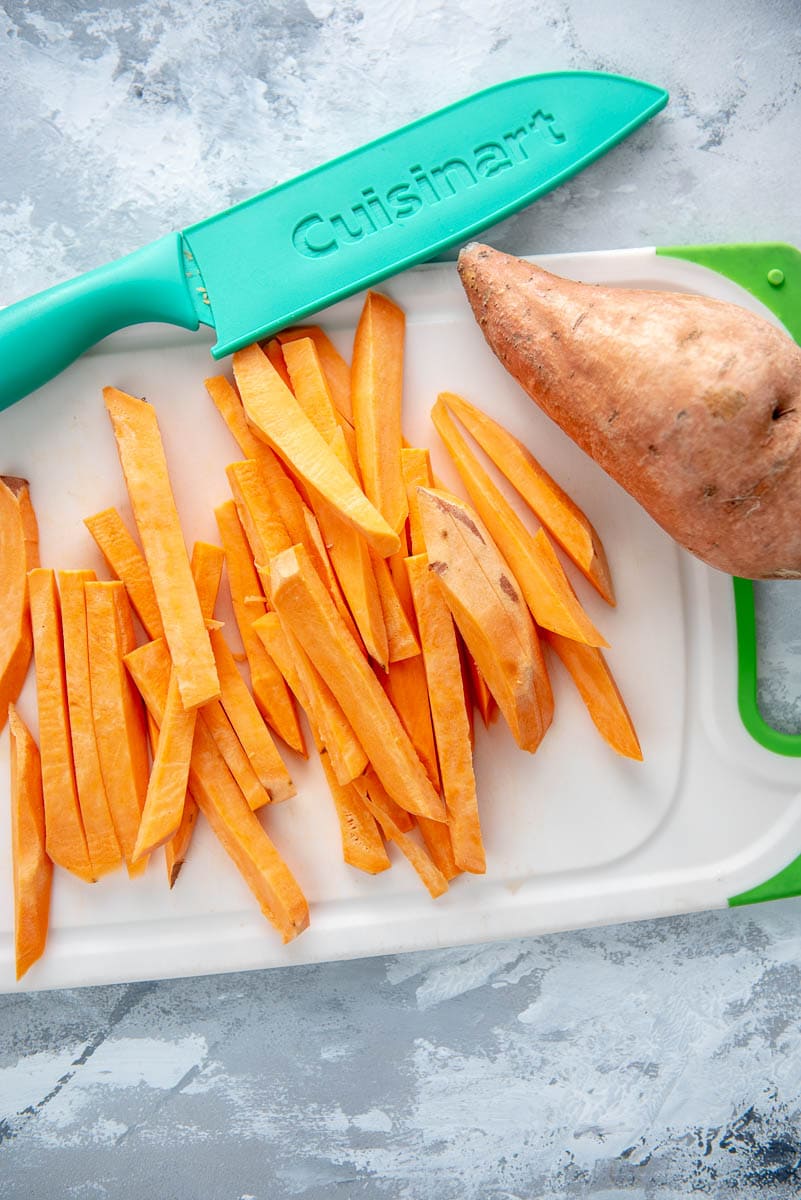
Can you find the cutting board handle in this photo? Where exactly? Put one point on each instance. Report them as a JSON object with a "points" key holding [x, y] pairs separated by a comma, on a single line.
{"points": [[43, 334]]}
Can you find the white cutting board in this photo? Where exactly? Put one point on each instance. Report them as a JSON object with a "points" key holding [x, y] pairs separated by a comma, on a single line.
{"points": [[575, 835]]}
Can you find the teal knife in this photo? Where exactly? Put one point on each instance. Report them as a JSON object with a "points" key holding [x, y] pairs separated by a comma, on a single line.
{"points": [[341, 227]]}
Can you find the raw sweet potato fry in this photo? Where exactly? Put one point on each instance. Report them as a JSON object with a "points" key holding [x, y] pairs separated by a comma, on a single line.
{"points": [[32, 868], [101, 838], [482, 697], [354, 566], [65, 835], [337, 371], [449, 715], [225, 808], [426, 868], [119, 720], [248, 723], [175, 850], [310, 385], [596, 685], [19, 553], [317, 551], [282, 490], [401, 640], [272, 409], [259, 515], [306, 608], [206, 566], [405, 684], [275, 353], [399, 816], [558, 513], [270, 632], [333, 728], [438, 842], [488, 609], [552, 601], [270, 692], [376, 396], [125, 560], [416, 467], [222, 731], [144, 466], [362, 844]]}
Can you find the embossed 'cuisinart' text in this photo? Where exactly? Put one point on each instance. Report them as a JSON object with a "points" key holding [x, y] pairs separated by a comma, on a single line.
{"points": [[318, 234]]}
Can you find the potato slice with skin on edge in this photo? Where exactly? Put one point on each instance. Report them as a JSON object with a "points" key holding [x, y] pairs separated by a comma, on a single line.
{"points": [[488, 608]]}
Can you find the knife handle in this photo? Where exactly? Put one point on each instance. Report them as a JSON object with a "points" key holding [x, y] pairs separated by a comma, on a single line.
{"points": [[45, 333]]}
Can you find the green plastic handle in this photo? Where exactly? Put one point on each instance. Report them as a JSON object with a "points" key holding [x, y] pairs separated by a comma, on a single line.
{"points": [[42, 335]]}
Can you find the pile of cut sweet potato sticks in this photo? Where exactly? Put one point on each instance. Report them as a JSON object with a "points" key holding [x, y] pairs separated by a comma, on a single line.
{"points": [[366, 595]]}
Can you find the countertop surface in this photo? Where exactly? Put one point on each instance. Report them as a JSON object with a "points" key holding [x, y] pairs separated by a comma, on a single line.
{"points": [[649, 1060]]}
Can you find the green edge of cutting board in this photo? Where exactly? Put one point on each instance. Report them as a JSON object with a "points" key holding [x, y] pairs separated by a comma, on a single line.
{"points": [[770, 271]]}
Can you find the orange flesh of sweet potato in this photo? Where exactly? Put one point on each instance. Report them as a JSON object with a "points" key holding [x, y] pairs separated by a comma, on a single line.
{"points": [[405, 684], [304, 605], [266, 532], [120, 727], [552, 601], [169, 775], [449, 716], [248, 722], [337, 371], [32, 868], [596, 685], [482, 696], [176, 849], [362, 844], [426, 868], [225, 808], [416, 466], [376, 397], [560, 515], [125, 560], [318, 553], [269, 689], [145, 469], [438, 842], [488, 608], [282, 490], [66, 839], [19, 553], [401, 640], [272, 409], [310, 386], [692, 404], [399, 816], [351, 559], [275, 353], [101, 838]]}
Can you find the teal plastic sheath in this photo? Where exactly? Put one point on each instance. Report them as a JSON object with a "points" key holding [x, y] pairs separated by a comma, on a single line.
{"points": [[339, 228]]}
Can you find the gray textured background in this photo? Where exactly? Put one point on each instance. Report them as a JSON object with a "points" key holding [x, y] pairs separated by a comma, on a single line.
{"points": [[646, 1061]]}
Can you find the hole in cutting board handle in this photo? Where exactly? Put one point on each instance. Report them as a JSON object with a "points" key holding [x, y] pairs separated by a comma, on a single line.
{"points": [[777, 740]]}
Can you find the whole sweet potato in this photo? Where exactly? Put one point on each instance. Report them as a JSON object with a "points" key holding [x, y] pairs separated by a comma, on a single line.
{"points": [[691, 404]]}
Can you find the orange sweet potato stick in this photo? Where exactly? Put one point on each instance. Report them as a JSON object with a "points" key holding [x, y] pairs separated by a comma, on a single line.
{"points": [[381, 797], [401, 640], [489, 611], [552, 601], [270, 692], [362, 844], [426, 868], [176, 849], [354, 566], [306, 608], [272, 409], [405, 684], [19, 553], [376, 396], [416, 467], [558, 513], [101, 837], [275, 354], [66, 838], [449, 716], [333, 728], [144, 466], [225, 808], [31, 866], [482, 696], [317, 551], [266, 532], [119, 720], [311, 386], [597, 688], [284, 495], [125, 560], [249, 725], [337, 371], [438, 842]]}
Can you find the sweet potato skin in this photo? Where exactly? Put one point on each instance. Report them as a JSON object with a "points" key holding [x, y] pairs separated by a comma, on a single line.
{"points": [[693, 405]]}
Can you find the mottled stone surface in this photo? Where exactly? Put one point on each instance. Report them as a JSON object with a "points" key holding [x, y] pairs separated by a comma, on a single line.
{"points": [[649, 1061]]}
